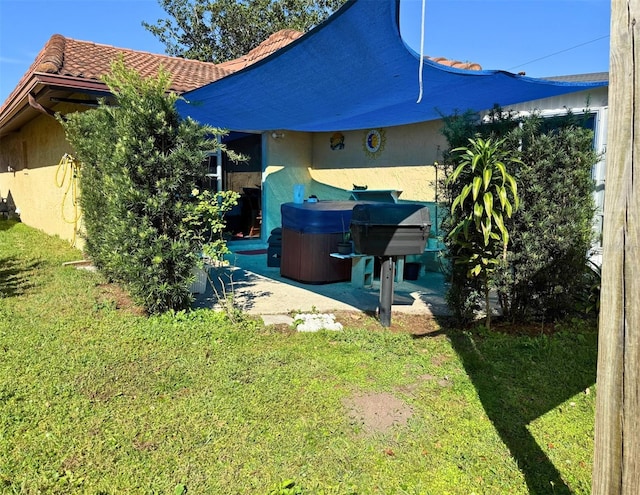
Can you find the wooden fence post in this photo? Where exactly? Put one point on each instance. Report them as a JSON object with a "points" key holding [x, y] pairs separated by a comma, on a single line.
{"points": [[616, 468]]}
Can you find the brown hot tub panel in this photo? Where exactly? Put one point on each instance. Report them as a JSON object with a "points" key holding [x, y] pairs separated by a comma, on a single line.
{"points": [[310, 233]]}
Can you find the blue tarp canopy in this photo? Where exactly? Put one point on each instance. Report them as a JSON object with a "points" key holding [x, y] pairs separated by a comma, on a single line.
{"points": [[354, 71]]}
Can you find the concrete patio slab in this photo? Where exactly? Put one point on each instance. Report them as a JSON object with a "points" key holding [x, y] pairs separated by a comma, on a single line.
{"points": [[260, 290]]}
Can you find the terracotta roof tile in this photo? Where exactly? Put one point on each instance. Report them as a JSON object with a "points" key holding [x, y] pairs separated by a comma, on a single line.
{"points": [[87, 60], [51, 57], [456, 64], [272, 44]]}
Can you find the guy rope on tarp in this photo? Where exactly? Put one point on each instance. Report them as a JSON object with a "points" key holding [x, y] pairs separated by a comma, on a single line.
{"points": [[67, 176], [421, 64]]}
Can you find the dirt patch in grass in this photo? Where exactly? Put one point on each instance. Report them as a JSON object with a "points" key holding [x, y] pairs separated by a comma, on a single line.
{"points": [[523, 328], [111, 293], [415, 324], [377, 412], [143, 445]]}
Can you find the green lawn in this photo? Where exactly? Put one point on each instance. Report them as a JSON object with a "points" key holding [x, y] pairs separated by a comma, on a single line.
{"points": [[97, 399]]}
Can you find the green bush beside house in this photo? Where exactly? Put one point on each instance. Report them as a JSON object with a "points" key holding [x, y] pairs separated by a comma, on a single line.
{"points": [[546, 266], [146, 222]]}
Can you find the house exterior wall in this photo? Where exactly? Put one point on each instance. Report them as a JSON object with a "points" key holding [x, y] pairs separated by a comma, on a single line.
{"points": [[405, 164], [592, 98], [33, 154], [286, 161]]}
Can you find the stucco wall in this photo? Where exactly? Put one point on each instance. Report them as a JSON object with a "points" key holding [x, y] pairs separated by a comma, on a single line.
{"points": [[34, 154], [286, 162], [405, 164]]}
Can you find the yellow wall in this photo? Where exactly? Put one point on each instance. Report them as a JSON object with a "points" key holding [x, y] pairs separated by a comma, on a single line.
{"points": [[286, 162], [34, 154], [405, 164]]}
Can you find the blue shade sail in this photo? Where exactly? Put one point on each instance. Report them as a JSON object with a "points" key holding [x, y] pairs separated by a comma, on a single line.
{"points": [[354, 71]]}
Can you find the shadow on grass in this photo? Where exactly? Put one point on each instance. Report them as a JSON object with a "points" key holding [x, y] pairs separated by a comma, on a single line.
{"points": [[14, 276], [7, 224], [520, 378]]}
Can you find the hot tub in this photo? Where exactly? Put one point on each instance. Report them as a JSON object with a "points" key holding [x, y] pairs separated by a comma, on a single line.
{"points": [[310, 233]]}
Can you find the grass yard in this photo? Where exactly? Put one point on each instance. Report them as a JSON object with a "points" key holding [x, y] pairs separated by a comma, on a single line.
{"points": [[96, 398]]}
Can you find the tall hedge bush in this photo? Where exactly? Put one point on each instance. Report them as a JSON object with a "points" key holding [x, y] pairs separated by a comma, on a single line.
{"points": [[548, 257], [140, 165], [551, 233]]}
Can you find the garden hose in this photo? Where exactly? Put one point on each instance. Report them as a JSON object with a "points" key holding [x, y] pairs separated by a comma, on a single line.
{"points": [[67, 175]]}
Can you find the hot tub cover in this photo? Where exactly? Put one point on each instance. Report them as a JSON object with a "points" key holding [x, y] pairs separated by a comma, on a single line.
{"points": [[323, 217]]}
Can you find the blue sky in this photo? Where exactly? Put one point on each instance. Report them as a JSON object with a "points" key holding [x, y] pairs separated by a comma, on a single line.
{"points": [[539, 37]]}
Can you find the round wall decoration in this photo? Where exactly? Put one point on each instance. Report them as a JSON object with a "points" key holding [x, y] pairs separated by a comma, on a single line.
{"points": [[374, 141]]}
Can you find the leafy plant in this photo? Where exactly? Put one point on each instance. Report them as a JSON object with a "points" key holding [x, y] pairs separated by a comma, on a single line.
{"points": [[550, 234], [219, 30], [488, 196], [205, 222], [140, 165], [588, 299]]}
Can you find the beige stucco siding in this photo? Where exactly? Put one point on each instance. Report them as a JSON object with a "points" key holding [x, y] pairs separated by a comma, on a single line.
{"points": [[405, 163], [38, 186], [286, 162]]}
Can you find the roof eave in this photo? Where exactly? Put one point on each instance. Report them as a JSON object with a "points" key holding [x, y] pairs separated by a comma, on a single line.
{"points": [[17, 111]]}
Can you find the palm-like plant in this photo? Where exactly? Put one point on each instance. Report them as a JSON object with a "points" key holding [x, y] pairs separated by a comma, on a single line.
{"points": [[488, 196]]}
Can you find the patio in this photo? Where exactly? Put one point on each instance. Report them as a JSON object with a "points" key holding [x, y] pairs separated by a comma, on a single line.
{"points": [[260, 290]]}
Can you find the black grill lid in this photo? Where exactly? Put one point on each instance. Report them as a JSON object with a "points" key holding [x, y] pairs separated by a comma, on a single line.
{"points": [[402, 214]]}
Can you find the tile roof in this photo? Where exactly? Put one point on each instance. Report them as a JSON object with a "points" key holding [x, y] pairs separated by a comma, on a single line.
{"points": [[456, 64], [272, 44], [74, 63], [66, 62], [87, 60]]}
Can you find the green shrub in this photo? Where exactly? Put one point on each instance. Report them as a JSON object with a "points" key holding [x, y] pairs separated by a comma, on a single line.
{"points": [[551, 233], [140, 163]]}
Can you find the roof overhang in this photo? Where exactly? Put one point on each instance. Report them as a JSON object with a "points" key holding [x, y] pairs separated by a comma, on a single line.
{"points": [[43, 93]]}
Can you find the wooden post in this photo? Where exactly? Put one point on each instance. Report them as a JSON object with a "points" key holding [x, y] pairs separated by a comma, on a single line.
{"points": [[616, 468]]}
